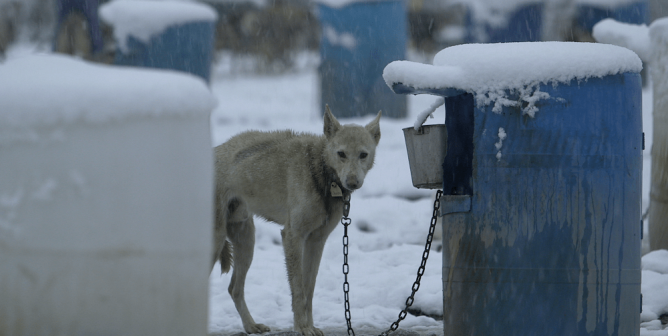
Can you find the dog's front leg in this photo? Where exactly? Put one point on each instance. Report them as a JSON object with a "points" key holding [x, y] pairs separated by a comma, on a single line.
{"points": [[293, 245], [313, 248], [311, 263]]}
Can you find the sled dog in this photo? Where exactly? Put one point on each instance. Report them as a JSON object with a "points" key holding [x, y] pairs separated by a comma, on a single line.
{"points": [[298, 181]]}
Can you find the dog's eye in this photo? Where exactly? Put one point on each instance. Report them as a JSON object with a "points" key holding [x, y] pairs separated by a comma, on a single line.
{"points": [[342, 155], [363, 155]]}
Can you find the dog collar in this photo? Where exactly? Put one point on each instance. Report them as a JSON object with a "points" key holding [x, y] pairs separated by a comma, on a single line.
{"points": [[335, 190]]}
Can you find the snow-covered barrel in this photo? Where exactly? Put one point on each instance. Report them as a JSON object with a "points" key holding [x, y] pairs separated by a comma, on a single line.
{"points": [[105, 199], [590, 12], [494, 21], [359, 38], [542, 205], [166, 34]]}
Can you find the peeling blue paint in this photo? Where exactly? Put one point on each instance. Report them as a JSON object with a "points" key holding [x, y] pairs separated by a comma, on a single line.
{"points": [[551, 245]]}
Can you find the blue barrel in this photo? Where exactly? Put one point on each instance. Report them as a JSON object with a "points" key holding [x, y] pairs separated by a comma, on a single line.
{"points": [[542, 236], [541, 212], [185, 47], [357, 42], [634, 13], [523, 25]]}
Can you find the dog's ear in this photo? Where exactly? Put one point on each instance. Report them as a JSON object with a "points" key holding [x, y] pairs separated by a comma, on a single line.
{"points": [[331, 124], [374, 128]]}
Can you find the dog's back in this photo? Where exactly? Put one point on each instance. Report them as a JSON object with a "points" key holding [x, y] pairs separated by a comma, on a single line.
{"points": [[253, 170], [258, 166]]}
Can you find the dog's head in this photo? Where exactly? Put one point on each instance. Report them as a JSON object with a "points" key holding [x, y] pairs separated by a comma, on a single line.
{"points": [[350, 149]]}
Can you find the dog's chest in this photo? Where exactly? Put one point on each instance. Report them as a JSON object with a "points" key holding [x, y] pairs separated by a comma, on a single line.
{"points": [[333, 207]]}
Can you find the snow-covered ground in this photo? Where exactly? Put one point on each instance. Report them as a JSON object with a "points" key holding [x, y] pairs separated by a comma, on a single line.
{"points": [[387, 235], [390, 220]]}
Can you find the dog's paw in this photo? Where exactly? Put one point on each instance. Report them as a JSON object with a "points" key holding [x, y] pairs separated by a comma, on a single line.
{"points": [[311, 331], [256, 328]]}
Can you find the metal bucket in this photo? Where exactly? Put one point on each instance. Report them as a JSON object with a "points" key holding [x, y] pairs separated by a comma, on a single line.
{"points": [[426, 149]]}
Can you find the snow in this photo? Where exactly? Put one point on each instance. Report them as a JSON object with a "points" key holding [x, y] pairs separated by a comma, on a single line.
{"points": [[502, 136], [484, 68], [631, 36], [346, 40], [143, 19], [428, 113], [259, 3], [390, 218], [656, 262], [496, 13], [492, 71], [655, 296], [388, 230], [343, 3], [493, 12], [606, 3], [61, 89]]}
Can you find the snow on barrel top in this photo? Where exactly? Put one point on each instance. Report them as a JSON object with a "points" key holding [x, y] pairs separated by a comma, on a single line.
{"points": [[143, 19], [489, 67], [48, 89], [343, 3], [489, 71]]}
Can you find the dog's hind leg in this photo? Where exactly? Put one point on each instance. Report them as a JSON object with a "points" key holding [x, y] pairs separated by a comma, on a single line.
{"points": [[242, 236], [221, 248]]}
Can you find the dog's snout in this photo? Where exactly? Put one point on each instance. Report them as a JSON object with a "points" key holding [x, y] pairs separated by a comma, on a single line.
{"points": [[353, 183]]}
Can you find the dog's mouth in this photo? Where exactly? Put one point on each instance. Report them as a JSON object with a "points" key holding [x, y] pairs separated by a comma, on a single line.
{"points": [[352, 186]]}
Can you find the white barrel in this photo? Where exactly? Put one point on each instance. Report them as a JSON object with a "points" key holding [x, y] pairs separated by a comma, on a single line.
{"points": [[105, 200]]}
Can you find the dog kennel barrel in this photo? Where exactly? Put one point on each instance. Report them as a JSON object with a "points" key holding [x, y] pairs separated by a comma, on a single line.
{"points": [[358, 40], [105, 199], [542, 221], [521, 22], [179, 35], [634, 12]]}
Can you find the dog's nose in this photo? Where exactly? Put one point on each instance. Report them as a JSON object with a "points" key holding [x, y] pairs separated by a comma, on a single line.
{"points": [[352, 183]]}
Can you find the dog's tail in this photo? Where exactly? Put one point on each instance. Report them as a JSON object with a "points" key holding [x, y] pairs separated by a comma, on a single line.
{"points": [[225, 258]]}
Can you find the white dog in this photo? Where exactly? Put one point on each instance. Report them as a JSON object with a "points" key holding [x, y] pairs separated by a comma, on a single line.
{"points": [[298, 181]]}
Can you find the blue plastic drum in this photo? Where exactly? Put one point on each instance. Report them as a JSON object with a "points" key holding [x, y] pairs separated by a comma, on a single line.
{"points": [[178, 36], [541, 201], [551, 242], [358, 40], [185, 47], [523, 24], [635, 13]]}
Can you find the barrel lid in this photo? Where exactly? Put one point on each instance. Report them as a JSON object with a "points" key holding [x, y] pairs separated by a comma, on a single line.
{"points": [[492, 68], [45, 89], [343, 3], [143, 19]]}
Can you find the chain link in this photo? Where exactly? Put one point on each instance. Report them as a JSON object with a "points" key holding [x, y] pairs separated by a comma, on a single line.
{"points": [[416, 285], [346, 286]]}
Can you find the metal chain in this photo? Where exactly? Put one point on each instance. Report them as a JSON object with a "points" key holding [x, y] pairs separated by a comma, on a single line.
{"points": [[420, 272], [416, 285], [346, 286]]}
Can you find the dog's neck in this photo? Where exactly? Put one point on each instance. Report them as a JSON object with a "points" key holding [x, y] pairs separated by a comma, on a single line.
{"points": [[323, 178], [333, 178]]}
